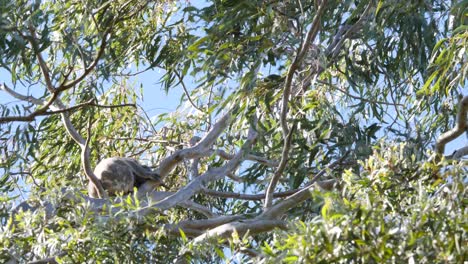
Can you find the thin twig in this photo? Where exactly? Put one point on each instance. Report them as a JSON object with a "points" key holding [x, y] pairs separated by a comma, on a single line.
{"points": [[42, 64], [66, 85], [358, 97], [181, 81]]}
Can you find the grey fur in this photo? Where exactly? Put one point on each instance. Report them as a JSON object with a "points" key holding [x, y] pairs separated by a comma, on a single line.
{"points": [[120, 175]]}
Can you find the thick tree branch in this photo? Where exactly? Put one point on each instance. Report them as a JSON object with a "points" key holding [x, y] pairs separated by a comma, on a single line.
{"points": [[204, 224], [223, 154], [86, 164], [253, 226], [201, 149], [460, 127], [459, 153], [212, 174]]}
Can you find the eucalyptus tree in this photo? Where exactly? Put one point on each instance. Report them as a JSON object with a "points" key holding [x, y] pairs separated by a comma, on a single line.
{"points": [[307, 131]]}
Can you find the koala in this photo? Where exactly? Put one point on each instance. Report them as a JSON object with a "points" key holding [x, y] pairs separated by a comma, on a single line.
{"points": [[120, 175]]}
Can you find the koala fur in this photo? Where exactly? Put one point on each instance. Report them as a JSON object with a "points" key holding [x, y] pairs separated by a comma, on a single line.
{"points": [[120, 175]]}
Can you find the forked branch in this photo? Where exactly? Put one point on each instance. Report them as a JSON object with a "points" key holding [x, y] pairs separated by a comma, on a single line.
{"points": [[287, 132], [213, 174]]}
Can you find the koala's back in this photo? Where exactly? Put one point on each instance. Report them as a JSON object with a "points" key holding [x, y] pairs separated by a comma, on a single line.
{"points": [[116, 176]]}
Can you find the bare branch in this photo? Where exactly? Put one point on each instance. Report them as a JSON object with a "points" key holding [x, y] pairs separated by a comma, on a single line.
{"points": [[148, 191], [198, 208], [212, 174], [21, 97], [250, 197], [253, 226], [223, 154], [460, 127], [279, 171], [199, 150], [97, 205], [206, 223]]}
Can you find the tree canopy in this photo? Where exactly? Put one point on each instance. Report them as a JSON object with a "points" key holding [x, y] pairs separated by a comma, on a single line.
{"points": [[307, 131]]}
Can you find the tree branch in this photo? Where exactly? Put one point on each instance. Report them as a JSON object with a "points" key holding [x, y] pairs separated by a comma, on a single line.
{"points": [[97, 205], [297, 198], [181, 81], [86, 164], [201, 149], [287, 134], [88, 103], [279, 171], [42, 64], [29, 98], [460, 127], [459, 153], [65, 86], [253, 226], [55, 104], [204, 223], [212, 174], [223, 154], [326, 184]]}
